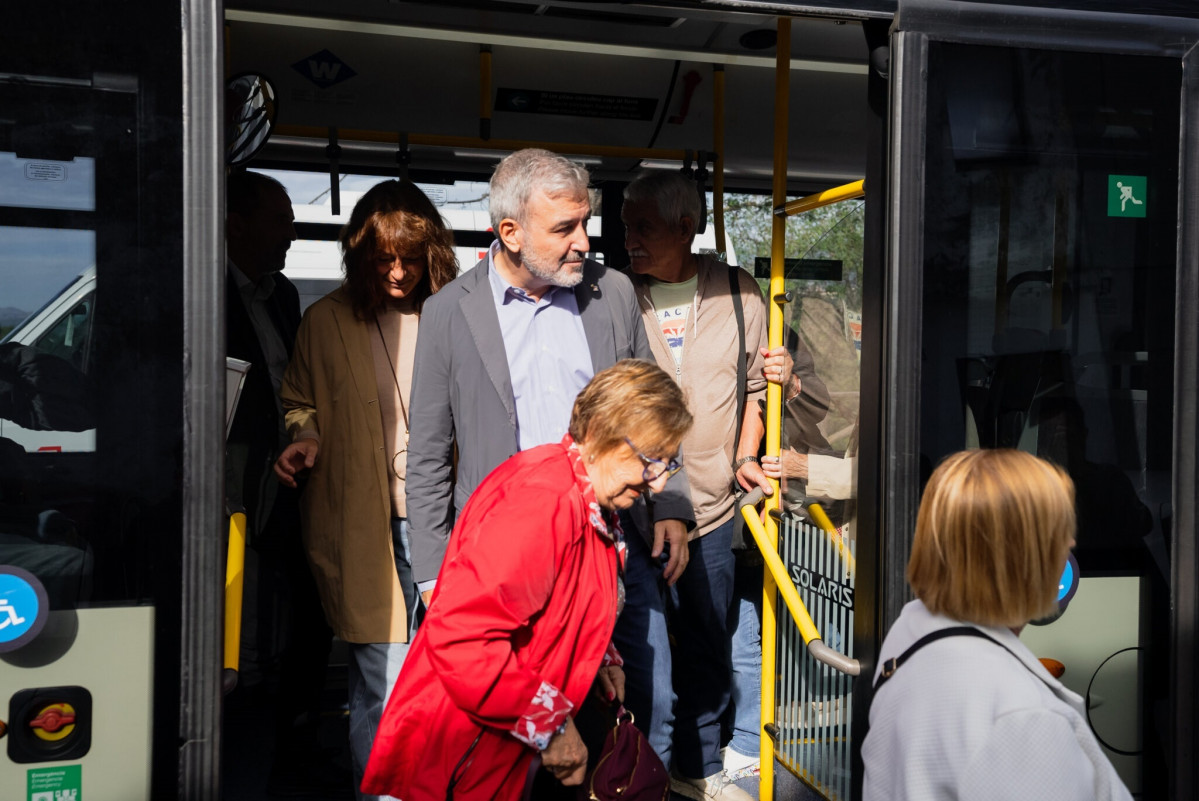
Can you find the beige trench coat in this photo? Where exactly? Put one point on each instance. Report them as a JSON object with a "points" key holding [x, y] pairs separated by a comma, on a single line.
{"points": [[330, 389]]}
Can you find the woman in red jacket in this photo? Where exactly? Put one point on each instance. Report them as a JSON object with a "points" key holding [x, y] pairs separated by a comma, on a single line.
{"points": [[521, 621]]}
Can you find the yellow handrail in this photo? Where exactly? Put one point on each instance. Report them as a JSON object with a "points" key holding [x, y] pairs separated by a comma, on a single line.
{"points": [[826, 198], [786, 588], [235, 571], [718, 165], [768, 537], [826, 525]]}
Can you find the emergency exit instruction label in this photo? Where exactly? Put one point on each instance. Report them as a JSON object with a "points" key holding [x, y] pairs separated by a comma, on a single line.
{"points": [[62, 783], [1126, 195]]}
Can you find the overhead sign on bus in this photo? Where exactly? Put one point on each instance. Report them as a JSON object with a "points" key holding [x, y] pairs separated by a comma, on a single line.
{"points": [[575, 104]]}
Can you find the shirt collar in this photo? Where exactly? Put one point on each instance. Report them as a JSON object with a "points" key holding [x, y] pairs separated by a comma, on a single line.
{"points": [[502, 291], [260, 290]]}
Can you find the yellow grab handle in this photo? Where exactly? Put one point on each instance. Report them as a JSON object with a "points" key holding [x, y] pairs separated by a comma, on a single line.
{"points": [[235, 574], [826, 525]]}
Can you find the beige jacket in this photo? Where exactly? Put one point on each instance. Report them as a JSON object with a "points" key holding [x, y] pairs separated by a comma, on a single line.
{"points": [[330, 389], [708, 375]]}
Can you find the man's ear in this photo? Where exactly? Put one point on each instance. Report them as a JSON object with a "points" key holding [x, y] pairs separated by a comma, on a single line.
{"points": [[687, 228], [509, 232]]}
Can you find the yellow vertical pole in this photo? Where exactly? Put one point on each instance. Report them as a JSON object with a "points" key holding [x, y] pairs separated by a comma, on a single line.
{"points": [[774, 393], [485, 92], [718, 167], [234, 581]]}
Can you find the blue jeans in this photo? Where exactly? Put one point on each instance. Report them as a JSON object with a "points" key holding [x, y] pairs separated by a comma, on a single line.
{"points": [[745, 619], [699, 671], [642, 640], [374, 667]]}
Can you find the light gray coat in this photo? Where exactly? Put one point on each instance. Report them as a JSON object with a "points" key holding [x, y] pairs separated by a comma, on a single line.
{"points": [[966, 719]]}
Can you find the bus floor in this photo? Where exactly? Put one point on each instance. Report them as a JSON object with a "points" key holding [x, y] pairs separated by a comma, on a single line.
{"points": [[250, 771], [248, 748]]}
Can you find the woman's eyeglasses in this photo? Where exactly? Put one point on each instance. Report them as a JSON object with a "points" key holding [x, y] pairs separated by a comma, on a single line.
{"points": [[654, 468]]}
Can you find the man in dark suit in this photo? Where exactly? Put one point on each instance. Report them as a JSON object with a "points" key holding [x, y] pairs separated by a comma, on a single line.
{"points": [[504, 349], [282, 610], [262, 314]]}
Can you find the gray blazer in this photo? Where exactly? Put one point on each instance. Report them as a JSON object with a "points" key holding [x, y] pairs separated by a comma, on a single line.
{"points": [[462, 396]]}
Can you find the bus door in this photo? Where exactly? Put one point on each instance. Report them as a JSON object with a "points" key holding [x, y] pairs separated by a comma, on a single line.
{"points": [[93, 385], [1041, 266]]}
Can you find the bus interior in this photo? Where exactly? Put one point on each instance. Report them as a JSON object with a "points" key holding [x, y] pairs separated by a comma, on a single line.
{"points": [[1018, 268]]}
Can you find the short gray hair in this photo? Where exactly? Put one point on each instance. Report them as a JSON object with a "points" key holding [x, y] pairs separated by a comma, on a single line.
{"points": [[674, 193], [519, 174]]}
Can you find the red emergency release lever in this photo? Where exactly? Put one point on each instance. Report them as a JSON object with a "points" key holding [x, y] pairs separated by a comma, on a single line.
{"points": [[52, 720]]}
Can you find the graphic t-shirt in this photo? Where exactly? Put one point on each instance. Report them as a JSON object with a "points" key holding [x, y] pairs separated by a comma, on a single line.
{"points": [[672, 304]]}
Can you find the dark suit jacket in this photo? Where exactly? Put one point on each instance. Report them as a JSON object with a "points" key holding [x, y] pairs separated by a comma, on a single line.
{"points": [[462, 394], [253, 443]]}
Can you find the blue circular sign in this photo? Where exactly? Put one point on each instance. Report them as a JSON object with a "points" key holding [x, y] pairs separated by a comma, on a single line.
{"points": [[23, 607], [1068, 585]]}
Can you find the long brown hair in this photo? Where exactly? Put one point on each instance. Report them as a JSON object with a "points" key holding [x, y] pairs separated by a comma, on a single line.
{"points": [[394, 214]]}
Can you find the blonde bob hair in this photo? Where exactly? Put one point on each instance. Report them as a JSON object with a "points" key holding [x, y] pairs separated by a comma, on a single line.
{"points": [[992, 536], [635, 399]]}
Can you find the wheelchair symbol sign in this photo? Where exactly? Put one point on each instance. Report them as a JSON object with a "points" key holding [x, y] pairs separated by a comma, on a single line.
{"points": [[23, 607]]}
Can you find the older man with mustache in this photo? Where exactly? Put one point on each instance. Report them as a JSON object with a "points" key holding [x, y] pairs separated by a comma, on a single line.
{"points": [[699, 313], [505, 348]]}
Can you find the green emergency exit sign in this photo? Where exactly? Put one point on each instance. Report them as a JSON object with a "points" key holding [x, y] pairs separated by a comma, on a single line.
{"points": [[63, 783], [1126, 195]]}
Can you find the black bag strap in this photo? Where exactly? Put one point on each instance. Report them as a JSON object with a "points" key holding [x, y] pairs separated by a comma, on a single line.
{"points": [[742, 367], [893, 664]]}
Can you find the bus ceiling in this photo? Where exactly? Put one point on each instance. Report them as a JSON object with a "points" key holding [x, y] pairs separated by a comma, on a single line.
{"points": [[447, 88]]}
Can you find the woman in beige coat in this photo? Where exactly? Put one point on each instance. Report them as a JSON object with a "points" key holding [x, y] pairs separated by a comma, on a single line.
{"points": [[345, 395]]}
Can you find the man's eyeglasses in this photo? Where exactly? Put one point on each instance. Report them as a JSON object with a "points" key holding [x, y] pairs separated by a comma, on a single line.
{"points": [[654, 468]]}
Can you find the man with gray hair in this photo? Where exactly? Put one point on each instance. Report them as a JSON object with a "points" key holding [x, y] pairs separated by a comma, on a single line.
{"points": [[699, 313], [504, 349]]}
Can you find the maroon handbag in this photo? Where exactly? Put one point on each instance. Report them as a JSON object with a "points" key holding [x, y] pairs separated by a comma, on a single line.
{"points": [[628, 769]]}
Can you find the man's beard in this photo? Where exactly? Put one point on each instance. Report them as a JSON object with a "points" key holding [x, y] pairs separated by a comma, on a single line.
{"points": [[558, 273]]}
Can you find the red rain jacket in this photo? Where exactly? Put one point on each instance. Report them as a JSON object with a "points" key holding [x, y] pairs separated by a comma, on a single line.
{"points": [[518, 625]]}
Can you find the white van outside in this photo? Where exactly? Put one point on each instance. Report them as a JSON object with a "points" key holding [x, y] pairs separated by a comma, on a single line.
{"points": [[63, 328]]}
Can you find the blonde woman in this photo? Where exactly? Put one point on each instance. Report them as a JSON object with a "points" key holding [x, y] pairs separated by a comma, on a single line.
{"points": [[962, 709]]}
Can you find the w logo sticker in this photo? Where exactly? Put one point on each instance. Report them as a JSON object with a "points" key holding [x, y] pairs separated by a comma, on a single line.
{"points": [[324, 69]]}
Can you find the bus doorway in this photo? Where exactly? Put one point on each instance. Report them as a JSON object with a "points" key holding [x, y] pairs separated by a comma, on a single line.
{"points": [[1043, 231]]}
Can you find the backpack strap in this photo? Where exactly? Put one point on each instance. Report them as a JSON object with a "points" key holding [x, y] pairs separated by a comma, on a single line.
{"points": [[742, 367]]}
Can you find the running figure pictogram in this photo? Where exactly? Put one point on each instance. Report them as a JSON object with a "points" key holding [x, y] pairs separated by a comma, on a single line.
{"points": [[1126, 195]]}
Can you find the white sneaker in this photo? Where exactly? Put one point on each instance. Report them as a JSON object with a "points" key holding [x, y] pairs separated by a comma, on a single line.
{"points": [[717, 787], [738, 765]]}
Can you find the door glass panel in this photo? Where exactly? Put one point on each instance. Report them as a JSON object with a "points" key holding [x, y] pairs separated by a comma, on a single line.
{"points": [[818, 455], [72, 443], [1048, 322]]}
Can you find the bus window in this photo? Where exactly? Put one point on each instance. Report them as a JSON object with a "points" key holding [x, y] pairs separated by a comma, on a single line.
{"points": [[823, 334], [314, 260]]}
